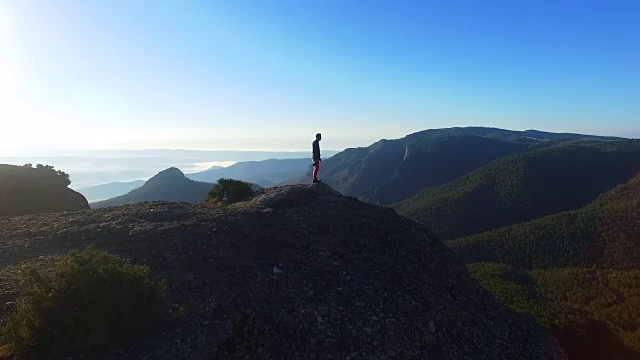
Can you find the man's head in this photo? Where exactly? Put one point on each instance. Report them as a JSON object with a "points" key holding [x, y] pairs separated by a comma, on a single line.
{"points": [[318, 136]]}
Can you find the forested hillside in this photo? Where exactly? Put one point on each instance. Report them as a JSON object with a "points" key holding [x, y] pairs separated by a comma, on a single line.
{"points": [[564, 176], [577, 272]]}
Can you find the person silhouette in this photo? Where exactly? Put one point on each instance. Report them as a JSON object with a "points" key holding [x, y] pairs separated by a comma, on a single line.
{"points": [[316, 157]]}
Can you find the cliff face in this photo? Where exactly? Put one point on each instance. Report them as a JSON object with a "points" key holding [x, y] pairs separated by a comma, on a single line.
{"points": [[298, 272], [25, 190]]}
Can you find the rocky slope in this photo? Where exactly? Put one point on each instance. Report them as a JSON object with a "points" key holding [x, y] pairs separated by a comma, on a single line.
{"points": [[26, 190], [297, 272]]}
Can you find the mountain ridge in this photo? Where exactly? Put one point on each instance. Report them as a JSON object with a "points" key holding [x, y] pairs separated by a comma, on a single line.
{"points": [[264, 172], [390, 171], [524, 186], [620, 206], [168, 185]]}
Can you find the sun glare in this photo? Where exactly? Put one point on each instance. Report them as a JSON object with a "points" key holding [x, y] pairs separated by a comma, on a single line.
{"points": [[6, 54], [24, 125], [10, 104]]}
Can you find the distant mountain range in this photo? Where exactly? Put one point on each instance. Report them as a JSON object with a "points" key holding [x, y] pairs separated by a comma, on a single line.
{"points": [[577, 270], [109, 190], [563, 176], [392, 170], [89, 168], [540, 218], [27, 190], [203, 155], [264, 173], [388, 171], [168, 185]]}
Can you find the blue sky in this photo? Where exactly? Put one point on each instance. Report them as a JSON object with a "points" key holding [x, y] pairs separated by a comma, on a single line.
{"points": [[269, 74]]}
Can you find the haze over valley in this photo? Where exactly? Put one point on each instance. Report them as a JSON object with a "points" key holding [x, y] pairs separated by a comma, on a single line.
{"points": [[319, 180], [90, 168]]}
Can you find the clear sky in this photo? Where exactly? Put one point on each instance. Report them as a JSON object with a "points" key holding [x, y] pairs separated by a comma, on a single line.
{"points": [[270, 74]]}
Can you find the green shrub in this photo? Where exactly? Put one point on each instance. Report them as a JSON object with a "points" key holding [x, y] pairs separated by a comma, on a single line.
{"points": [[56, 176], [235, 190], [89, 300]]}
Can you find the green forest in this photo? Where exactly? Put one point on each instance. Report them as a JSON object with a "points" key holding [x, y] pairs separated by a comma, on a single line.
{"points": [[576, 272], [563, 176]]}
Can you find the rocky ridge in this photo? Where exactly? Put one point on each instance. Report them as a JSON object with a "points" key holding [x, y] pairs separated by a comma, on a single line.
{"points": [[296, 272]]}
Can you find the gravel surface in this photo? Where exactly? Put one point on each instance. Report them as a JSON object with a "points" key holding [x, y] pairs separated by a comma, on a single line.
{"points": [[297, 272]]}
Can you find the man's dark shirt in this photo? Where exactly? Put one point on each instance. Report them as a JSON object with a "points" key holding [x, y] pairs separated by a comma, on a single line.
{"points": [[316, 150]]}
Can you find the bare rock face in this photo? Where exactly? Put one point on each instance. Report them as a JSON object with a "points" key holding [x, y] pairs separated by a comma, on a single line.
{"points": [[297, 272]]}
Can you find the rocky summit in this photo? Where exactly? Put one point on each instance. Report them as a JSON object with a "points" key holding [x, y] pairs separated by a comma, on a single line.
{"points": [[296, 272]]}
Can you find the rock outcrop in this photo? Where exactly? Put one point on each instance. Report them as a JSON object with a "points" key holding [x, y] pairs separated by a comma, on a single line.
{"points": [[297, 272], [26, 190]]}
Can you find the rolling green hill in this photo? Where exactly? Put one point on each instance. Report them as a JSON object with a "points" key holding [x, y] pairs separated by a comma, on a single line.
{"points": [[605, 234], [563, 176], [577, 272], [592, 312]]}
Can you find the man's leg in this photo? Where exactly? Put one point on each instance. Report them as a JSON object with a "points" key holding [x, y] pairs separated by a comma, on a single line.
{"points": [[316, 168]]}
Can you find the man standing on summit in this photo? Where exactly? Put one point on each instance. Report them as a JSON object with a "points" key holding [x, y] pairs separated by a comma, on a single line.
{"points": [[316, 157]]}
